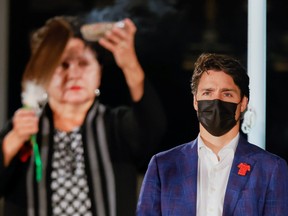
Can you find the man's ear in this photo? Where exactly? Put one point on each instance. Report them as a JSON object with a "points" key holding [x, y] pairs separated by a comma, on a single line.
{"points": [[195, 103], [244, 104]]}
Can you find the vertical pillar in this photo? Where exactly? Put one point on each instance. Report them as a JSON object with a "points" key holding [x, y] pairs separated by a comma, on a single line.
{"points": [[257, 69]]}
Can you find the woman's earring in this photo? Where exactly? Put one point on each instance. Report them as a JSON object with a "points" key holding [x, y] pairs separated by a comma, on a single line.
{"points": [[97, 92]]}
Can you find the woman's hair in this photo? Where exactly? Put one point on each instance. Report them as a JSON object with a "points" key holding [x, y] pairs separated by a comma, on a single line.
{"points": [[225, 63], [47, 46]]}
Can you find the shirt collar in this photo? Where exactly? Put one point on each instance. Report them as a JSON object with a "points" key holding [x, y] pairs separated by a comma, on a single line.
{"points": [[231, 146]]}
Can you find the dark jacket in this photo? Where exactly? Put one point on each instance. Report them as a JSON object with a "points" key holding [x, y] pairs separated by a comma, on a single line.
{"points": [[117, 142]]}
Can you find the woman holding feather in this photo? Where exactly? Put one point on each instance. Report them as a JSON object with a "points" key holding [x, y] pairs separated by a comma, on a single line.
{"points": [[88, 152]]}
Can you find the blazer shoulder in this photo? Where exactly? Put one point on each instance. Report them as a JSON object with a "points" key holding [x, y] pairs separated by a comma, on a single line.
{"points": [[257, 153], [178, 151]]}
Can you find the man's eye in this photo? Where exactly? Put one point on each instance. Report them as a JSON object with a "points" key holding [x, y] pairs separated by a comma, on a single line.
{"points": [[206, 93], [227, 94]]}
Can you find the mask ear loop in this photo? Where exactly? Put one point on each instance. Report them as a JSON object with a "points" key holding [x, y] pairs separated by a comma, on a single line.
{"points": [[240, 117]]}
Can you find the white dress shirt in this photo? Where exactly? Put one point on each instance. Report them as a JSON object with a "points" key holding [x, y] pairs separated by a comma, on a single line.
{"points": [[213, 174]]}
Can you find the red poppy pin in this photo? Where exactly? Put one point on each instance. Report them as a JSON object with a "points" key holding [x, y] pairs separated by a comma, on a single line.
{"points": [[243, 168]]}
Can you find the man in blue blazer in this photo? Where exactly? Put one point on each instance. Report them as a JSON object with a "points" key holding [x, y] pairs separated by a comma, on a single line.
{"points": [[219, 173]]}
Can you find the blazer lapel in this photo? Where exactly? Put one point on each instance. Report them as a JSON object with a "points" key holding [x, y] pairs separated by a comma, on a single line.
{"points": [[236, 182], [191, 168]]}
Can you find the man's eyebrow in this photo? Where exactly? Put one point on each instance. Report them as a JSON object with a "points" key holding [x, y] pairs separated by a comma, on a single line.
{"points": [[207, 89], [228, 89]]}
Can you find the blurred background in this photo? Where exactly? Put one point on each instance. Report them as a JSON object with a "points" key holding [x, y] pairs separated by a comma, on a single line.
{"points": [[171, 35]]}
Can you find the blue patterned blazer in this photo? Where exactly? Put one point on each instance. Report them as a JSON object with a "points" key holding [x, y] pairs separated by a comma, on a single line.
{"points": [[170, 183]]}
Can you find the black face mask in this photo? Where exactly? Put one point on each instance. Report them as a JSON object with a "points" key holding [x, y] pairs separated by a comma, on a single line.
{"points": [[217, 116]]}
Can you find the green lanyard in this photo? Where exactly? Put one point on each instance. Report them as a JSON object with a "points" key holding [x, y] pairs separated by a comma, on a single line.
{"points": [[37, 157]]}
